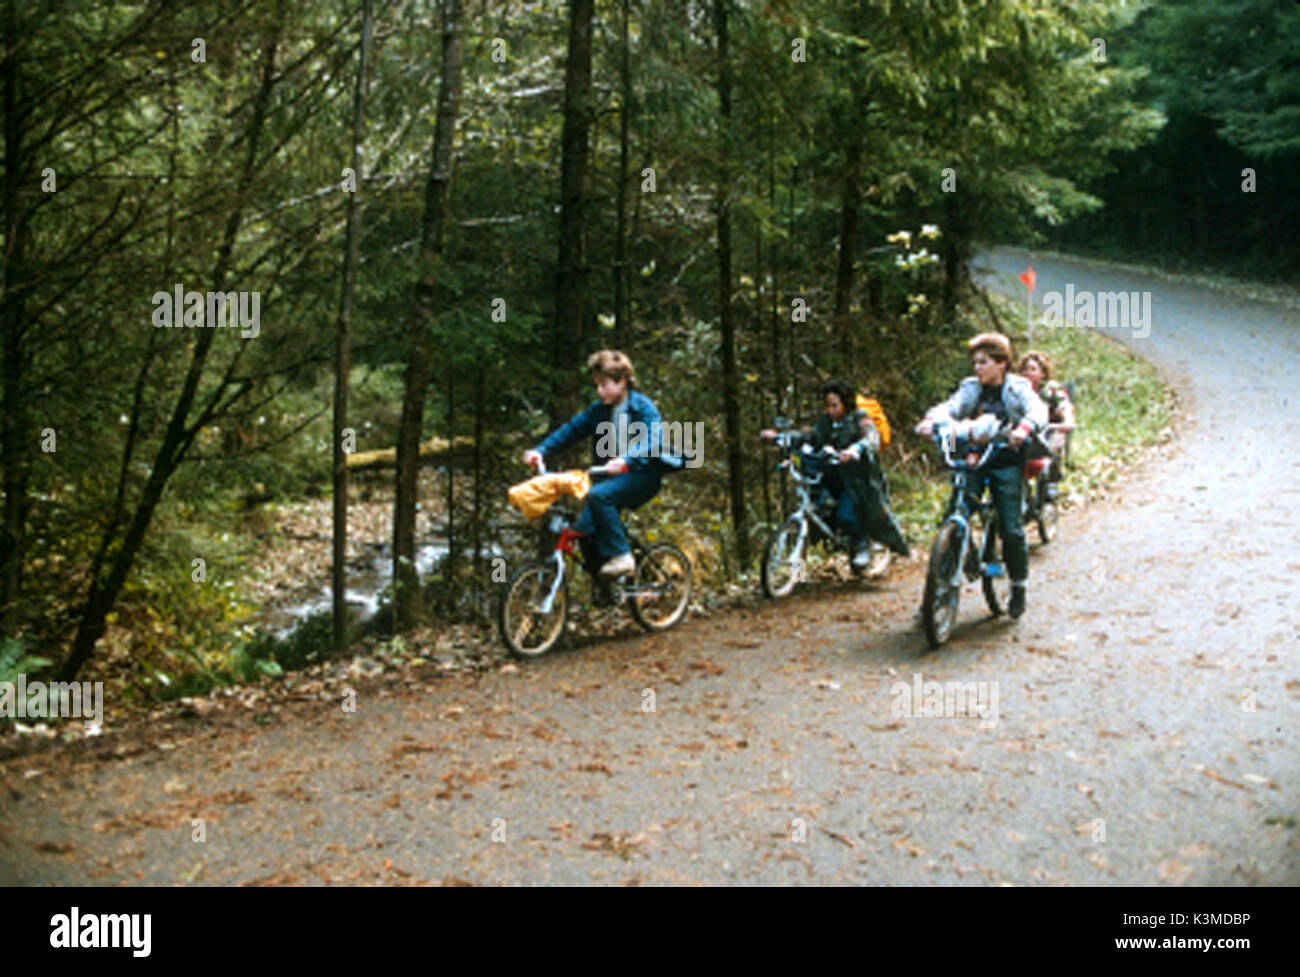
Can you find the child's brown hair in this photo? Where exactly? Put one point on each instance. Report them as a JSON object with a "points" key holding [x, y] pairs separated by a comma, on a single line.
{"points": [[993, 344], [611, 363], [1042, 359]]}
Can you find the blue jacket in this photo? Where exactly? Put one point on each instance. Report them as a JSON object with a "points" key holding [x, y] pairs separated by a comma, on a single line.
{"points": [[641, 441]]}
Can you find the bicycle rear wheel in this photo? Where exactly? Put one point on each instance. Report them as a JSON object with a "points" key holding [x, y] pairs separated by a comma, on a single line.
{"points": [[526, 630], [1047, 515], [782, 561], [661, 591], [942, 585], [881, 557]]}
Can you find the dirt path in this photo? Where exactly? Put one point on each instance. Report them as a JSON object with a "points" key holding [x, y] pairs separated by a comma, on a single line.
{"points": [[1146, 727]]}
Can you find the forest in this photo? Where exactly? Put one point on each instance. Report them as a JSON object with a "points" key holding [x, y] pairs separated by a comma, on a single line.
{"points": [[413, 220]]}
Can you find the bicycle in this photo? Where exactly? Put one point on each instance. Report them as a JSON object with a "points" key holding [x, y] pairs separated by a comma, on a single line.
{"points": [[534, 606], [1037, 497], [810, 523], [958, 547]]}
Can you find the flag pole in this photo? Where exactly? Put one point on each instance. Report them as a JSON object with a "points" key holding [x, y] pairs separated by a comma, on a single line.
{"points": [[1029, 280]]}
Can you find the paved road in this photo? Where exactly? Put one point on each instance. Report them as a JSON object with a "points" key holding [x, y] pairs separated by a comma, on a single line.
{"points": [[1146, 727]]}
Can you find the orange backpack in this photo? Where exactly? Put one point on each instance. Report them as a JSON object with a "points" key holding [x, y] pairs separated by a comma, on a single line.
{"points": [[877, 414]]}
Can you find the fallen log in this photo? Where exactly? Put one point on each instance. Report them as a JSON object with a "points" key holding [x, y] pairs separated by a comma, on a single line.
{"points": [[433, 450]]}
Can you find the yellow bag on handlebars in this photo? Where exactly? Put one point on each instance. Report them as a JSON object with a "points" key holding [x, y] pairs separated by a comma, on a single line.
{"points": [[540, 492]]}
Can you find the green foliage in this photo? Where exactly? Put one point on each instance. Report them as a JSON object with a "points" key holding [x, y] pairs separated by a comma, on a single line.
{"points": [[1234, 61], [1227, 75], [218, 173], [15, 660], [308, 643]]}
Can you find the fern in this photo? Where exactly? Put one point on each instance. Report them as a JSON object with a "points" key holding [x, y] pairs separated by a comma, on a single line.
{"points": [[14, 660]]}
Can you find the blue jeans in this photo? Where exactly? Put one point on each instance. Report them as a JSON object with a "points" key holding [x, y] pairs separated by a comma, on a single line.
{"points": [[630, 490], [1004, 484], [846, 518]]}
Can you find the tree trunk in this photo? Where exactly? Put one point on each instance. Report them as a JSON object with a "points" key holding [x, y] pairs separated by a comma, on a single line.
{"points": [[726, 321], [758, 331], [791, 346], [19, 437], [571, 265], [419, 363], [343, 346], [449, 561], [848, 249], [476, 524], [621, 323]]}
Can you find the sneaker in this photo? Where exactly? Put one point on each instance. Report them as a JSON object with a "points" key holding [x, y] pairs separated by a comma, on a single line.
{"points": [[861, 557], [1053, 491], [618, 566], [1017, 608]]}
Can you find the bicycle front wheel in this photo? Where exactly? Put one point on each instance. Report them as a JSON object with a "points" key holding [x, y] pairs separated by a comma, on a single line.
{"points": [[528, 630], [662, 588], [782, 561], [942, 585], [995, 578]]}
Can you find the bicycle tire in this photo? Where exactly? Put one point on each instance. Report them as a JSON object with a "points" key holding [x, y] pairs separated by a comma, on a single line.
{"points": [[773, 589], [511, 624], [1046, 513], [997, 590], [942, 598], [662, 565]]}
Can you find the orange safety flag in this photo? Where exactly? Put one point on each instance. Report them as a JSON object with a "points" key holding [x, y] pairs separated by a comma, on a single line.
{"points": [[1029, 278], [539, 493]]}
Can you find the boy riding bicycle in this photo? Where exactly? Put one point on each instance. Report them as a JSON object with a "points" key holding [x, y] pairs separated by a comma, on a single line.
{"points": [[862, 504], [1012, 400], [634, 466]]}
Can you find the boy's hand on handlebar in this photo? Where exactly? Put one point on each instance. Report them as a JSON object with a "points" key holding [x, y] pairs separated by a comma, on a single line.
{"points": [[925, 427], [849, 454], [616, 466], [532, 459], [768, 434], [1017, 436]]}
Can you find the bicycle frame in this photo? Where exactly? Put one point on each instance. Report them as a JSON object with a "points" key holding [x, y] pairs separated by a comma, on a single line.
{"points": [[806, 509], [959, 509], [567, 545]]}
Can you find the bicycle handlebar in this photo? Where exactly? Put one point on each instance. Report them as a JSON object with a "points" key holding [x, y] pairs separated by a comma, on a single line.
{"points": [[942, 433], [593, 470]]}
